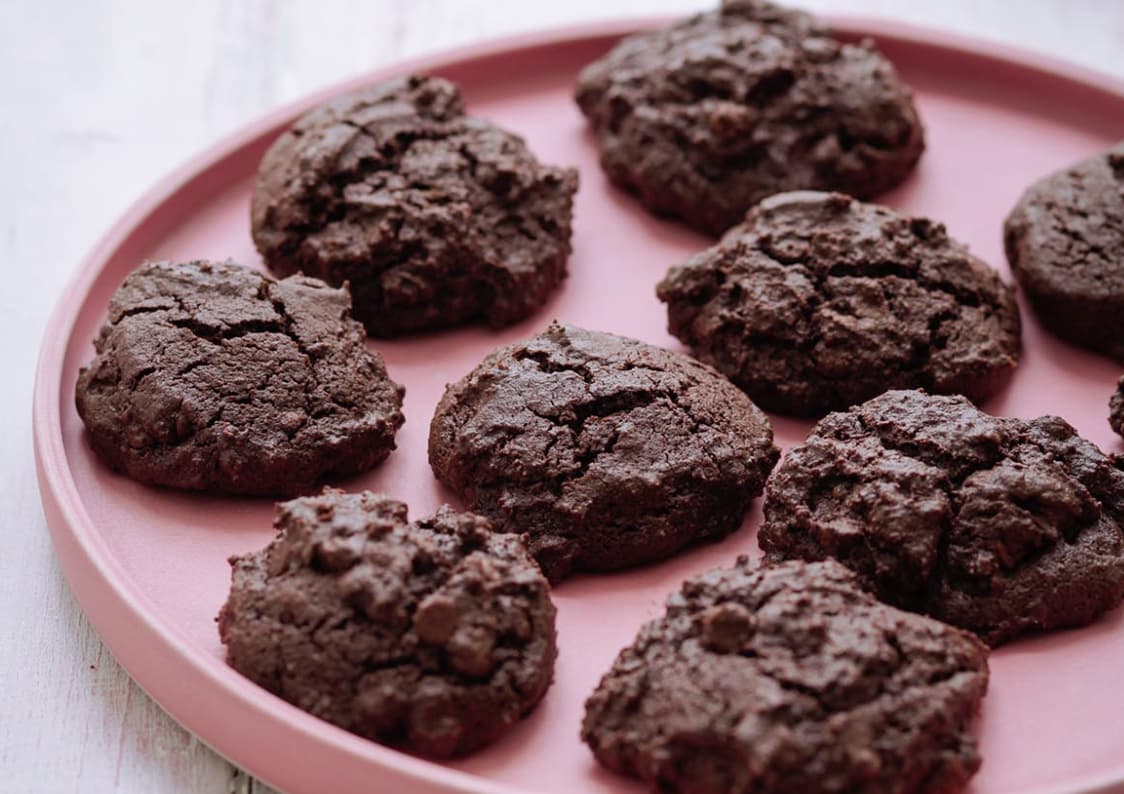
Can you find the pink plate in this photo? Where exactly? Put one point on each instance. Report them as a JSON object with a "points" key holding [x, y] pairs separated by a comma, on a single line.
{"points": [[149, 566]]}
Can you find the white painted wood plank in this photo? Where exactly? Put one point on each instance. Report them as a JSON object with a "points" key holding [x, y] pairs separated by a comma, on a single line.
{"points": [[100, 98]]}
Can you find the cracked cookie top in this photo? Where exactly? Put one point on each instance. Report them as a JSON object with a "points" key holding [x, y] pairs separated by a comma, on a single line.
{"points": [[785, 679], [818, 302], [998, 525], [607, 451], [433, 635], [214, 377], [708, 116], [1065, 242], [435, 218]]}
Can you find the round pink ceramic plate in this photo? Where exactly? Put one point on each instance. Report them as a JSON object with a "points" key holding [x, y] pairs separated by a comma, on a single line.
{"points": [[149, 566]]}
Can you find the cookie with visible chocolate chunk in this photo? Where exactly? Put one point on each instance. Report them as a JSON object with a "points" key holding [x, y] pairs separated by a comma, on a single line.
{"points": [[210, 376], [433, 217], [434, 636], [705, 118], [607, 451], [1065, 242], [789, 679], [998, 525], [818, 301]]}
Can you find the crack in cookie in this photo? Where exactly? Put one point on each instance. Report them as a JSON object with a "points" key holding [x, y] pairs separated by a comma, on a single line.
{"points": [[818, 302], [708, 116], [609, 452], [433, 217], [1065, 242], [435, 635], [998, 525], [214, 377], [790, 678]]}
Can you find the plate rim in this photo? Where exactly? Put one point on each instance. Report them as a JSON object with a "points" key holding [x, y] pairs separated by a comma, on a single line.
{"points": [[112, 604]]}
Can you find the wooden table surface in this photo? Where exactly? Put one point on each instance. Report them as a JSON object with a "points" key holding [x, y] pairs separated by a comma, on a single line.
{"points": [[99, 99]]}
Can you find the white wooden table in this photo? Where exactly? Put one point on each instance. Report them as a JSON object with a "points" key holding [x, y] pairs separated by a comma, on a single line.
{"points": [[99, 98]]}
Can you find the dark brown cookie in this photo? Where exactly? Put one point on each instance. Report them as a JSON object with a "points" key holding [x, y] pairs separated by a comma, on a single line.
{"points": [[1116, 409], [433, 636], [818, 302], [1065, 243], [707, 117], [433, 217], [607, 451], [214, 377], [998, 525], [790, 680]]}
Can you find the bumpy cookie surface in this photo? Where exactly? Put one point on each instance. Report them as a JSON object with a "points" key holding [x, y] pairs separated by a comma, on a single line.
{"points": [[790, 680], [434, 636], [214, 377], [817, 302], [709, 116], [1065, 243], [433, 217], [998, 525], [607, 451]]}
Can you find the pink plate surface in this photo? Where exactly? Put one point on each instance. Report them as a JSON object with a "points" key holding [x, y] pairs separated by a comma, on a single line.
{"points": [[149, 565]]}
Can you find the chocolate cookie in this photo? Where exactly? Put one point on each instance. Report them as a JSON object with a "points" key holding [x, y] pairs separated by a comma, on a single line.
{"points": [[997, 525], [790, 680], [213, 377], [1116, 409], [707, 117], [607, 451], [818, 302], [1065, 243], [433, 217], [433, 636]]}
